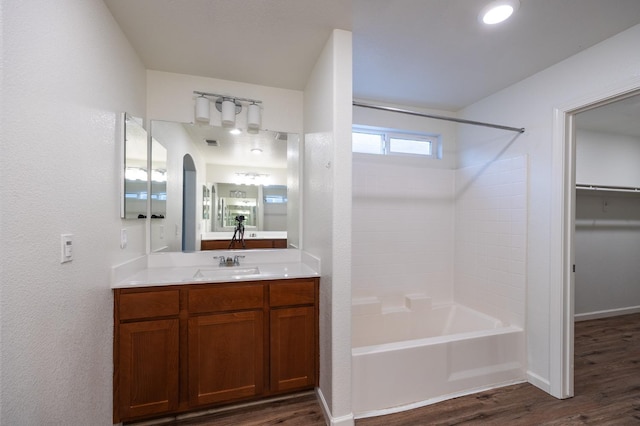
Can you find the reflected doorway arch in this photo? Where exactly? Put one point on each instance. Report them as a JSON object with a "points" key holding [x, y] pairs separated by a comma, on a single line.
{"points": [[188, 204]]}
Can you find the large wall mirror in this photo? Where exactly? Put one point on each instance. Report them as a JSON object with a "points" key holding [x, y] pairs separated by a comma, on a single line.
{"points": [[243, 178], [134, 182]]}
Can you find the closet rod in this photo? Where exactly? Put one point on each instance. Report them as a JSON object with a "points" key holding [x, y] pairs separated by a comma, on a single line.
{"points": [[438, 117], [607, 188]]}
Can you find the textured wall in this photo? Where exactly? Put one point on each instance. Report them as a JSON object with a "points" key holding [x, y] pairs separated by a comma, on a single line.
{"points": [[530, 104], [67, 72], [327, 219]]}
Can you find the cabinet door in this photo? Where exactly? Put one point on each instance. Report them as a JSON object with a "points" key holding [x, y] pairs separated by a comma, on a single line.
{"points": [[225, 357], [293, 348], [148, 372]]}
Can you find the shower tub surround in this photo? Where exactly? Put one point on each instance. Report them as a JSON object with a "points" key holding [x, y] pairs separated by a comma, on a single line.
{"points": [[450, 319], [403, 358]]}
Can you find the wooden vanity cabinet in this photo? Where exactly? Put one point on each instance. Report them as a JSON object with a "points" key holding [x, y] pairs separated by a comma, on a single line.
{"points": [[293, 340], [146, 353], [262, 243], [226, 343], [188, 347]]}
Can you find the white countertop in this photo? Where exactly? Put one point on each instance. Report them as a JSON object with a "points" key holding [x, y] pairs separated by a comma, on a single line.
{"points": [[160, 276]]}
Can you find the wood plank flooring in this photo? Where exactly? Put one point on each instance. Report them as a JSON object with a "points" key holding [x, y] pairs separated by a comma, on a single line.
{"points": [[607, 392]]}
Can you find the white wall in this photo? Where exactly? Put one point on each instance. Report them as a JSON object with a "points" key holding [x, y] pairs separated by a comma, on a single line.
{"points": [[607, 243], [530, 104], [68, 71], [607, 158], [327, 220]]}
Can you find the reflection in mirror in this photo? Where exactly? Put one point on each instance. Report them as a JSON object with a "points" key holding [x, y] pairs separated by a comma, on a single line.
{"points": [[250, 175], [158, 180], [134, 199]]}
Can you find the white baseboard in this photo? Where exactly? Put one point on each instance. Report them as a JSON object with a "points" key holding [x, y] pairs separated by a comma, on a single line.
{"points": [[347, 420], [607, 313], [539, 382]]}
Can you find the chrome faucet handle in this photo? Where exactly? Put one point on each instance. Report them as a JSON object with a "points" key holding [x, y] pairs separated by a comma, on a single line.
{"points": [[236, 260], [222, 260]]}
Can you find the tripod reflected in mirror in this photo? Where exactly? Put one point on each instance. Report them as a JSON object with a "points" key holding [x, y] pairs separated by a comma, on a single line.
{"points": [[238, 234]]}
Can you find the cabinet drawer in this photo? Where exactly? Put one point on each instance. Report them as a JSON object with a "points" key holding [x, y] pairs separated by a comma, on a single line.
{"points": [[298, 292], [149, 304], [221, 297]]}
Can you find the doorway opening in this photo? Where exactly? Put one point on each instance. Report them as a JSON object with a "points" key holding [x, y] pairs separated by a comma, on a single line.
{"points": [[563, 265]]}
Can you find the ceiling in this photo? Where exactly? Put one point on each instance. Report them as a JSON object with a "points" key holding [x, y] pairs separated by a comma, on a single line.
{"points": [[424, 53]]}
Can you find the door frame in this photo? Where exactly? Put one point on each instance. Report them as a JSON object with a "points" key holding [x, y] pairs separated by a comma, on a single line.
{"points": [[562, 252]]}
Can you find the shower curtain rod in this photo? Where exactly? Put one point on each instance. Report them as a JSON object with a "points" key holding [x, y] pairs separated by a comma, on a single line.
{"points": [[438, 117]]}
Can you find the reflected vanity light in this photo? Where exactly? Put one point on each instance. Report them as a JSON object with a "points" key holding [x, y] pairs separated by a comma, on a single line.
{"points": [[229, 106], [251, 178], [235, 131], [158, 175], [135, 173], [498, 11]]}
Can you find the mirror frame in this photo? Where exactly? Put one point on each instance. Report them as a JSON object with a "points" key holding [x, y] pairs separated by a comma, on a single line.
{"points": [[124, 119]]}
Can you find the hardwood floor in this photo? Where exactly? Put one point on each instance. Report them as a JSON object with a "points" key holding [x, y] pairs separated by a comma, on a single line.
{"points": [[607, 392]]}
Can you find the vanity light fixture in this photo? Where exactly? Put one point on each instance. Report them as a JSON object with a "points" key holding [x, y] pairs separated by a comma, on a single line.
{"points": [[229, 106], [253, 118], [498, 11], [202, 108], [228, 111]]}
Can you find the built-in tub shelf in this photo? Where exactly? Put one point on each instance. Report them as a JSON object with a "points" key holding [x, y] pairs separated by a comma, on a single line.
{"points": [[608, 188]]}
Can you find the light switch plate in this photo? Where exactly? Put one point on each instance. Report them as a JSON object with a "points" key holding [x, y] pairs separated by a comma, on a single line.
{"points": [[123, 238], [66, 248]]}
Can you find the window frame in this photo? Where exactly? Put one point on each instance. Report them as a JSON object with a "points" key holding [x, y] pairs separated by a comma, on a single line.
{"points": [[388, 134]]}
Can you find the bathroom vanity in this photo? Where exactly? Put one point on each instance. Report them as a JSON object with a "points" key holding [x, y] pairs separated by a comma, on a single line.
{"points": [[213, 340]]}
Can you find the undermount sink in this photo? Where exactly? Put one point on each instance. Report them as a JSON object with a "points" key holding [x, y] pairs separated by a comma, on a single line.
{"points": [[225, 272]]}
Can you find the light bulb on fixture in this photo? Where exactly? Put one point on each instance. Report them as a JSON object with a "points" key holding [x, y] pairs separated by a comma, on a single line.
{"points": [[498, 11], [253, 118], [202, 108]]}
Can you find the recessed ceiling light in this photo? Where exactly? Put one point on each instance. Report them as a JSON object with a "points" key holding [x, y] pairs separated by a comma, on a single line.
{"points": [[235, 131], [256, 151], [498, 11]]}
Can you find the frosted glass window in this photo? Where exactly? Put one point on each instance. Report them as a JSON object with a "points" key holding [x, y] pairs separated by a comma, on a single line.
{"points": [[368, 143], [410, 146]]}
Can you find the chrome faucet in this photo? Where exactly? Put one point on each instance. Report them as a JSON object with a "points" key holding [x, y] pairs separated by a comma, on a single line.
{"points": [[236, 260], [223, 260]]}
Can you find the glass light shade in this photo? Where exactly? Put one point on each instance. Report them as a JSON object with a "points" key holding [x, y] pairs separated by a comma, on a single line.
{"points": [[228, 113], [202, 108], [253, 118]]}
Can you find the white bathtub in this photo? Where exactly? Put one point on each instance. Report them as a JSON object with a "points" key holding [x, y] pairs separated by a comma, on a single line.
{"points": [[417, 355]]}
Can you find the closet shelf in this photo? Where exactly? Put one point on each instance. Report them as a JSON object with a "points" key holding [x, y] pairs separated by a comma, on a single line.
{"points": [[610, 188]]}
